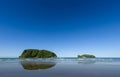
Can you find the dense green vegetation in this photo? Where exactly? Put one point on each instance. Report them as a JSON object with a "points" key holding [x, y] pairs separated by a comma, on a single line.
{"points": [[86, 56], [35, 53]]}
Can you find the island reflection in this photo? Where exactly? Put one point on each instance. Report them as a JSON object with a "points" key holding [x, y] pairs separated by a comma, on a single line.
{"points": [[86, 62], [37, 65]]}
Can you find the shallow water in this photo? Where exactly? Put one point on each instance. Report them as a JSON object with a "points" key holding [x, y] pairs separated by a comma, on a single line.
{"points": [[60, 67]]}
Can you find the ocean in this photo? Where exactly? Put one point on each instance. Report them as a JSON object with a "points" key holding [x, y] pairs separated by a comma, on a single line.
{"points": [[60, 67]]}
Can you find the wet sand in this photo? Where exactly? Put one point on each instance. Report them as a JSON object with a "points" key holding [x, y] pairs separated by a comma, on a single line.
{"points": [[60, 69]]}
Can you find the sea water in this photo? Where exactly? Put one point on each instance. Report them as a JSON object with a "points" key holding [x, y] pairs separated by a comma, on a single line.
{"points": [[60, 67]]}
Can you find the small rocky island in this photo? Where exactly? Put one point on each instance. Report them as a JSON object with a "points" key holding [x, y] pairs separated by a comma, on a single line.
{"points": [[35, 53], [86, 56]]}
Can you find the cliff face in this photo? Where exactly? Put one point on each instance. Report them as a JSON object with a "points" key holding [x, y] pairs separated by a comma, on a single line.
{"points": [[35, 53]]}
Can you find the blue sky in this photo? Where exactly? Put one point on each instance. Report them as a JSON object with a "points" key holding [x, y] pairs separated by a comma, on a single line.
{"points": [[66, 27]]}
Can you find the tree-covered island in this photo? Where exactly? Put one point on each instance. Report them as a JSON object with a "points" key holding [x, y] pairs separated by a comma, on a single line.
{"points": [[86, 56], [35, 53]]}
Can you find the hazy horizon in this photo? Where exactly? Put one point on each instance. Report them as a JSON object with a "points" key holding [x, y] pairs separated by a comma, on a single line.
{"points": [[66, 27]]}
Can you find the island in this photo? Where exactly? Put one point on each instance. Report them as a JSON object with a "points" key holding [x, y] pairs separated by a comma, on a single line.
{"points": [[36, 53], [86, 56]]}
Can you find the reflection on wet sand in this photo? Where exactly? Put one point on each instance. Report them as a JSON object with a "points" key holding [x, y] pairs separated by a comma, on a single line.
{"points": [[86, 62], [37, 65]]}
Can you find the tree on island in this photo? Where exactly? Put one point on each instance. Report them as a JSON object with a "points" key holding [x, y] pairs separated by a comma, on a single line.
{"points": [[35, 53], [86, 56]]}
